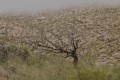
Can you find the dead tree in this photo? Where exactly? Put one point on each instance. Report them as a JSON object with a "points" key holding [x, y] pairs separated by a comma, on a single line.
{"points": [[63, 40]]}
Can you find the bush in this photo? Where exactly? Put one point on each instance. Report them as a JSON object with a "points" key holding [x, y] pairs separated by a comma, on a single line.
{"points": [[24, 53], [12, 51]]}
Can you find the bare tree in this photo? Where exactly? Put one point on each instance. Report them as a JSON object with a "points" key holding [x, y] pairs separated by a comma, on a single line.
{"points": [[65, 39]]}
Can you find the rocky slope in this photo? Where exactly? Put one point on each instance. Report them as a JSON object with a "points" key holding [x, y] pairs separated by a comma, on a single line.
{"points": [[101, 23]]}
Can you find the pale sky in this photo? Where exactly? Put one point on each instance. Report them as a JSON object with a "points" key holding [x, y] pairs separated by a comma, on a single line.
{"points": [[39, 5]]}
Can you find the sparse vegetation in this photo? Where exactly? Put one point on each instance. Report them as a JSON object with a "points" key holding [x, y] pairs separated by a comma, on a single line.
{"points": [[32, 46]]}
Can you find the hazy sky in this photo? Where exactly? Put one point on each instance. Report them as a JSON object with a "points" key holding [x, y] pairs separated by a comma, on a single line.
{"points": [[39, 5]]}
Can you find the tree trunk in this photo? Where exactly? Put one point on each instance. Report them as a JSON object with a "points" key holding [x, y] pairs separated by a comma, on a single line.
{"points": [[75, 59]]}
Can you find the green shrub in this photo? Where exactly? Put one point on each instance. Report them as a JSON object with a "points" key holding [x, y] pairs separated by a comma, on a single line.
{"points": [[13, 50], [24, 53], [3, 54]]}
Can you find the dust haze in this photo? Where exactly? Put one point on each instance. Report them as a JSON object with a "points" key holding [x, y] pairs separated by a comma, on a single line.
{"points": [[41, 5]]}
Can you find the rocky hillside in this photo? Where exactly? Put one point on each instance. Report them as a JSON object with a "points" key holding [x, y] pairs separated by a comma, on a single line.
{"points": [[101, 26]]}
